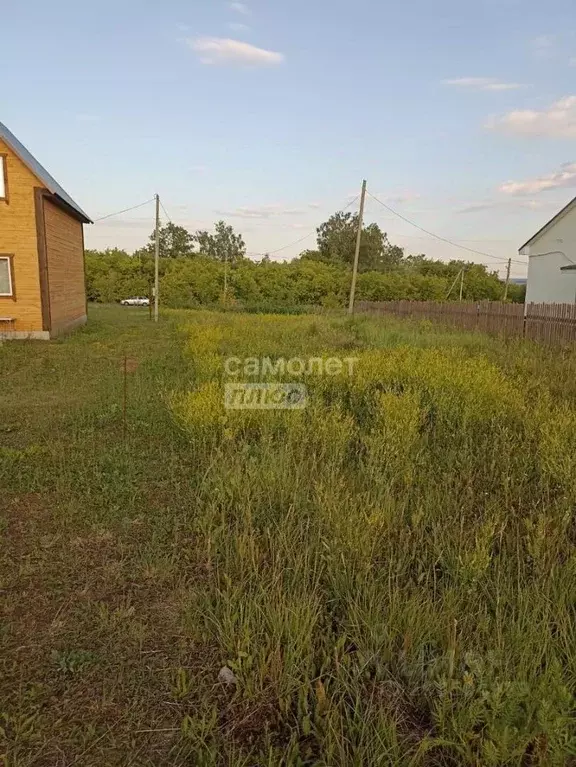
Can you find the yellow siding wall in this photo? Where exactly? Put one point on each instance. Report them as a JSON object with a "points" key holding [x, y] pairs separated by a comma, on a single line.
{"points": [[18, 237], [65, 256]]}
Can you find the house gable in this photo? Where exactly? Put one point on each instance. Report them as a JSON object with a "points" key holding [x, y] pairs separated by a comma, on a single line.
{"points": [[550, 251], [546, 228], [18, 239], [40, 172]]}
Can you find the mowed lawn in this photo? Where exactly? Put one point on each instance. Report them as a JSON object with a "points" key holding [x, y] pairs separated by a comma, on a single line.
{"points": [[389, 574]]}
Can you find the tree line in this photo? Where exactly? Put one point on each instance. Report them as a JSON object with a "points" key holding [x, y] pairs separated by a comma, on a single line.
{"points": [[193, 266]]}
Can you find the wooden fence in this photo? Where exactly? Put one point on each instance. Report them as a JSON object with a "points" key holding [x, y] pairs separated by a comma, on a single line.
{"points": [[547, 323]]}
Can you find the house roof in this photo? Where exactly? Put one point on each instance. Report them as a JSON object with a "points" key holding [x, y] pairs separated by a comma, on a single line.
{"points": [[550, 224], [40, 172]]}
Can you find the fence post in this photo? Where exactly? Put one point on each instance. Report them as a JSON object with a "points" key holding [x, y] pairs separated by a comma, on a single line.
{"points": [[125, 400], [524, 321]]}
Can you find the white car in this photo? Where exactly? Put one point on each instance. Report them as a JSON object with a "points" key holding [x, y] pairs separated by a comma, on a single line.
{"points": [[136, 301]]}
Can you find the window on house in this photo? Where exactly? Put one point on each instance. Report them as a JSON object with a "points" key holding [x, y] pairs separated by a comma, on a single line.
{"points": [[3, 184], [6, 282]]}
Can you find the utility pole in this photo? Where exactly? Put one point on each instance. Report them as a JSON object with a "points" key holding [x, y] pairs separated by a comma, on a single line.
{"points": [[452, 286], [507, 279], [357, 252], [461, 283], [156, 259]]}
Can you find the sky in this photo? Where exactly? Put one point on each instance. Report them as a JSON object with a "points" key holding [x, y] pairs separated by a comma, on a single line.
{"points": [[269, 113]]}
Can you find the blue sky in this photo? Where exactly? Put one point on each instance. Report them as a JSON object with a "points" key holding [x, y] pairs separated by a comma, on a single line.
{"points": [[269, 113]]}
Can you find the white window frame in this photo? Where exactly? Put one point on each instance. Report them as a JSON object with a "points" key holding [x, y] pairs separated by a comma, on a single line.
{"points": [[3, 178], [8, 260]]}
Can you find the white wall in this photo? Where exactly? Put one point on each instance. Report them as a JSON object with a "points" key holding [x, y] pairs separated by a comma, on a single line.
{"points": [[552, 250]]}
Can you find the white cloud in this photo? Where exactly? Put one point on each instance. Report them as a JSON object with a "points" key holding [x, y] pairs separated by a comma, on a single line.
{"points": [[218, 50], [558, 120], [261, 211], [291, 212], [482, 84], [266, 211], [87, 118], [561, 179], [515, 196], [237, 27], [509, 205], [126, 223], [478, 207], [401, 198], [239, 8], [198, 169]]}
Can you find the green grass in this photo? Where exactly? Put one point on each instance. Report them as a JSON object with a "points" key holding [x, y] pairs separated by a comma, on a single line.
{"points": [[390, 574]]}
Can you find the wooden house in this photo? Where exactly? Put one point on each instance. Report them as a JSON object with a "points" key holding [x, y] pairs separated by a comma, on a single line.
{"points": [[42, 288]]}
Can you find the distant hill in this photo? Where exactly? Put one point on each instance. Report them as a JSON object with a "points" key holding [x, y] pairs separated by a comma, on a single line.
{"points": [[519, 280]]}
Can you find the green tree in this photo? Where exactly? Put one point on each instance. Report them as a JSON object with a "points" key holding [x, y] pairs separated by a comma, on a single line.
{"points": [[108, 253], [112, 275], [222, 245], [278, 286], [312, 255], [175, 242], [337, 244]]}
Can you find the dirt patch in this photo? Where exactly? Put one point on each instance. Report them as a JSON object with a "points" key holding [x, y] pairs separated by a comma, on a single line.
{"points": [[130, 364], [24, 514]]}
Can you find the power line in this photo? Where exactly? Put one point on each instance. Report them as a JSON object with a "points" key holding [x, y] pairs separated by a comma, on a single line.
{"points": [[297, 242], [126, 210], [314, 231], [420, 237], [290, 244], [165, 211], [438, 237]]}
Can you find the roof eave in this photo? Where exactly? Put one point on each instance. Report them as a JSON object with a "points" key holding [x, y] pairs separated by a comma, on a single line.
{"points": [[566, 209], [64, 205], [42, 174]]}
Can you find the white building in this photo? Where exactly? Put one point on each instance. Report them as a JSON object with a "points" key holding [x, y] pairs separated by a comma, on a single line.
{"points": [[552, 260]]}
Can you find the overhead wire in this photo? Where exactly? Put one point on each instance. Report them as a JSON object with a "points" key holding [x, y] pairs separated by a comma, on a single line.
{"points": [[165, 211], [126, 210], [314, 231], [297, 242], [439, 237], [285, 247]]}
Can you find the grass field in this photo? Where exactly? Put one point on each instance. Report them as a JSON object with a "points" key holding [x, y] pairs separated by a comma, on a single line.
{"points": [[390, 573]]}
